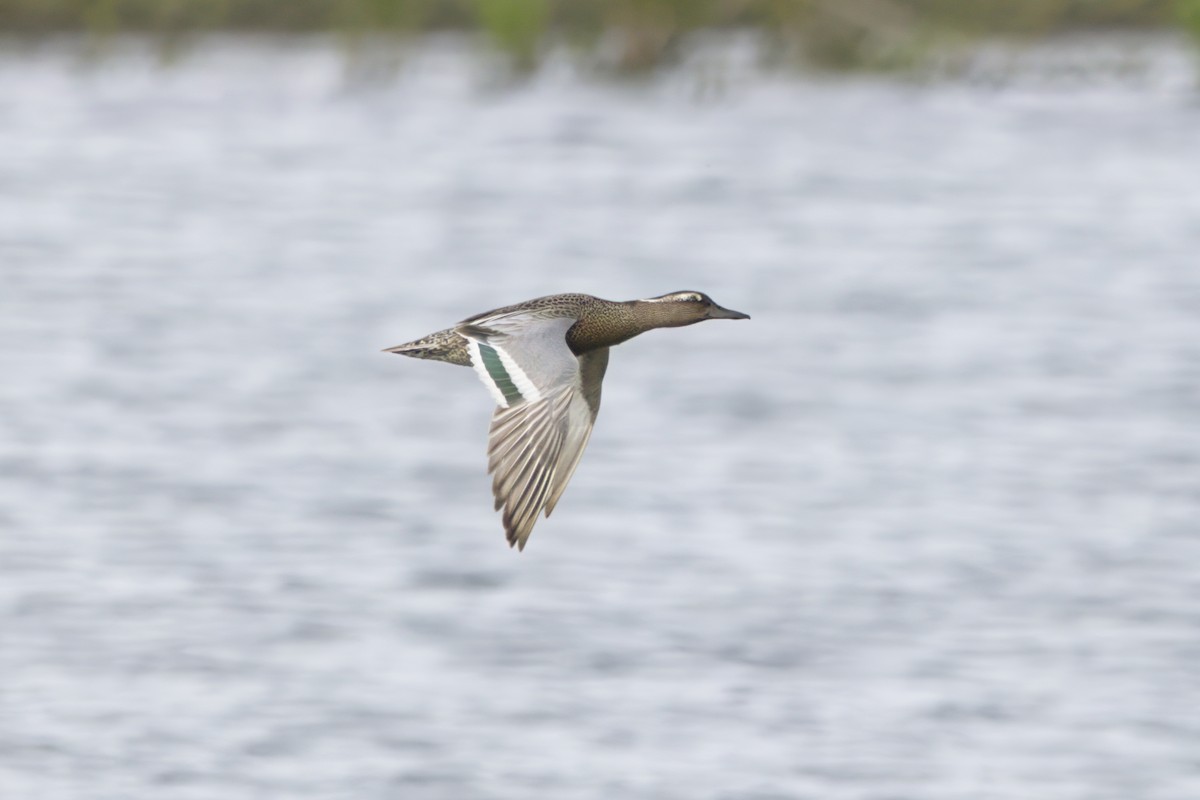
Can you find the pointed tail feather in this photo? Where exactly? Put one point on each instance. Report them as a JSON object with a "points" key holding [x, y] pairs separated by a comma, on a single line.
{"points": [[444, 345]]}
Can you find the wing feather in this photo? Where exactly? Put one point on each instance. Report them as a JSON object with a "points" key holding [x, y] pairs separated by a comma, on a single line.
{"points": [[547, 399], [579, 432], [582, 416], [524, 452]]}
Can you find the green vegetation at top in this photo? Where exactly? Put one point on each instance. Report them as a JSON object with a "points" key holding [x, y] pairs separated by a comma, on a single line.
{"points": [[641, 33]]}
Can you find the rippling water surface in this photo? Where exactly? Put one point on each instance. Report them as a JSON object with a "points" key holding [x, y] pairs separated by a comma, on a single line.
{"points": [[928, 526]]}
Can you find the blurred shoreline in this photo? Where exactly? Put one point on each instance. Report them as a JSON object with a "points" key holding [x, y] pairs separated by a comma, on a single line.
{"points": [[624, 37], [709, 65]]}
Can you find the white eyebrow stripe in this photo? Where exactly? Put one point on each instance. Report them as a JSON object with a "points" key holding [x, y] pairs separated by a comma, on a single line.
{"points": [[675, 298]]}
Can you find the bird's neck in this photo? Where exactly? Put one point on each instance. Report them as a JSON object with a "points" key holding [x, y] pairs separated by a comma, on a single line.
{"points": [[608, 323]]}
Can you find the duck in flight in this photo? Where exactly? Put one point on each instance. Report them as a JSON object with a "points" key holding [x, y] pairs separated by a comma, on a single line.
{"points": [[543, 361]]}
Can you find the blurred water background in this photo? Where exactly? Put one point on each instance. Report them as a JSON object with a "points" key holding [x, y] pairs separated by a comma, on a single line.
{"points": [[926, 527]]}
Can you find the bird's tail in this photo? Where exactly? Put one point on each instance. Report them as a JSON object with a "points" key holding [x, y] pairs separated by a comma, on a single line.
{"points": [[444, 345]]}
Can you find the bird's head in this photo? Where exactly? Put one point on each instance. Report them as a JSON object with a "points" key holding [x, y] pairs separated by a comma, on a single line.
{"points": [[688, 307]]}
